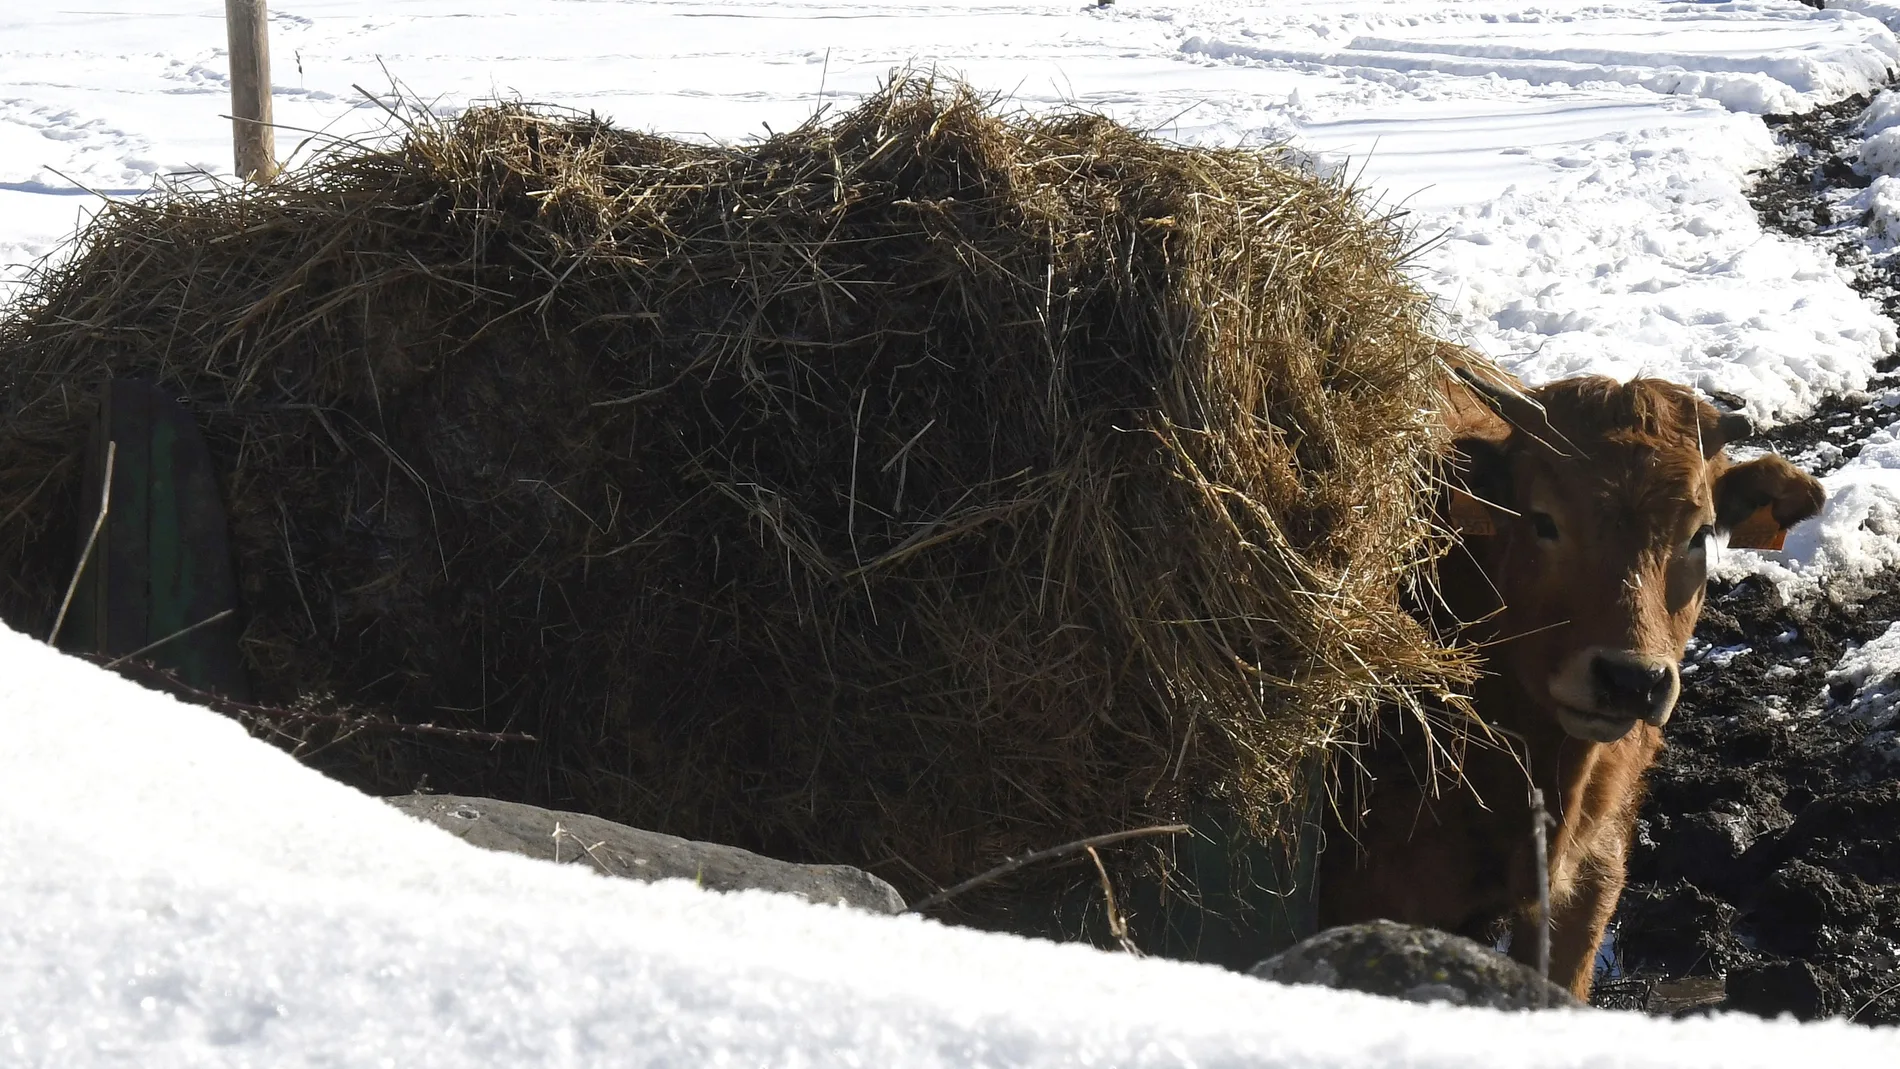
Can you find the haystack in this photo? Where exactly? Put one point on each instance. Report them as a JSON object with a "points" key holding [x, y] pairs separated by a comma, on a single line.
{"points": [[914, 489]]}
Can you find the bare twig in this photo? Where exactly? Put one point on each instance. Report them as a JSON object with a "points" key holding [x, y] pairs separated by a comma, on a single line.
{"points": [[1026, 860], [1878, 995], [1117, 924], [147, 673], [1540, 847], [180, 633], [561, 829], [105, 506]]}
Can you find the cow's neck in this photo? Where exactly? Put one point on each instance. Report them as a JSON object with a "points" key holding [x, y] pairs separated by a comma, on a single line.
{"points": [[1561, 766]]}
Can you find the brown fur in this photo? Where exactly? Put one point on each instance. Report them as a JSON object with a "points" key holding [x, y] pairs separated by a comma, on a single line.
{"points": [[1608, 573]]}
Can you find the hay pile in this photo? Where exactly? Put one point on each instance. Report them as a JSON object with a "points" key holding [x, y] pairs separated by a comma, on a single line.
{"points": [[911, 489]]}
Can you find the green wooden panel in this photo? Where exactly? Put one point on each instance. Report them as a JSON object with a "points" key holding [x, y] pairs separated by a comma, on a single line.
{"points": [[127, 574], [163, 561]]}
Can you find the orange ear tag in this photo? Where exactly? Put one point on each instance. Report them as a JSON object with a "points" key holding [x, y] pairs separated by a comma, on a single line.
{"points": [[1758, 531], [1469, 516]]}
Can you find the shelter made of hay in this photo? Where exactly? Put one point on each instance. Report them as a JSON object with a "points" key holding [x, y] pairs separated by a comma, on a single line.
{"points": [[914, 489]]}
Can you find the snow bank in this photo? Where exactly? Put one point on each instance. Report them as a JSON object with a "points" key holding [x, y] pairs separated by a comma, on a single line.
{"points": [[1865, 686], [1880, 153], [1886, 11], [1869, 677], [1879, 204], [174, 893], [1882, 114], [1804, 60]]}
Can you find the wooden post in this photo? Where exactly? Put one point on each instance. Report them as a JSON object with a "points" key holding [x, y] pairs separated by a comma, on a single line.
{"points": [[247, 25], [1540, 851]]}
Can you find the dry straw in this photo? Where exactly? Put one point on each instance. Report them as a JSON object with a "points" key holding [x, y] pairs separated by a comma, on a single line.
{"points": [[916, 488]]}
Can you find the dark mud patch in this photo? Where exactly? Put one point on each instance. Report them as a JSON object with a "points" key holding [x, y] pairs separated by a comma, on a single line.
{"points": [[1840, 426], [1766, 872], [1793, 196], [1808, 195], [1768, 856]]}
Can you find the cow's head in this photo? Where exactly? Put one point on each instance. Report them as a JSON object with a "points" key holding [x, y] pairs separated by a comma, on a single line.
{"points": [[1588, 505]]}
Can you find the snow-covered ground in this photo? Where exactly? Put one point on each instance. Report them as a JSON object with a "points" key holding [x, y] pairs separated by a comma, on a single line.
{"points": [[174, 894]]}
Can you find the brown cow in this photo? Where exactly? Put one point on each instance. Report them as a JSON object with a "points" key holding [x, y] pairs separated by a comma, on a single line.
{"points": [[1586, 508]]}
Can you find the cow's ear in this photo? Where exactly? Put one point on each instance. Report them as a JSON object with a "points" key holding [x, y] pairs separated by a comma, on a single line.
{"points": [[1481, 482], [1758, 501]]}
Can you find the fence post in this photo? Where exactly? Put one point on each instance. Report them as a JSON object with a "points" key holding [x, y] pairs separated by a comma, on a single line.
{"points": [[248, 27]]}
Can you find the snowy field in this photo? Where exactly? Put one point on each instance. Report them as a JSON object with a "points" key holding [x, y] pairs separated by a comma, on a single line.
{"points": [[172, 893]]}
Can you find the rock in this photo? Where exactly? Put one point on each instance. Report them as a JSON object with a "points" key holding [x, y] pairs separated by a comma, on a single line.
{"points": [[617, 850], [1415, 964]]}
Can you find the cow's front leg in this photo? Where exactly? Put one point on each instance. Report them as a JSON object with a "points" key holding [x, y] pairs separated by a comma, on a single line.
{"points": [[1577, 923]]}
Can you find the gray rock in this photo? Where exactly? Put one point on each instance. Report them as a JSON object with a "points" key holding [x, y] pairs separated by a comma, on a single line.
{"points": [[618, 850], [1415, 964]]}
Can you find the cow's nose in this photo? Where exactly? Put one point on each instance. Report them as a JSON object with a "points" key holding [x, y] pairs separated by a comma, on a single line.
{"points": [[1643, 686]]}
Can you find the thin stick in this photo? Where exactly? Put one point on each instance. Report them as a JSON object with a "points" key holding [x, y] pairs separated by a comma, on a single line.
{"points": [[560, 830], [851, 510], [1540, 820], [180, 633], [1026, 860], [219, 703], [1878, 995], [105, 506], [1117, 924]]}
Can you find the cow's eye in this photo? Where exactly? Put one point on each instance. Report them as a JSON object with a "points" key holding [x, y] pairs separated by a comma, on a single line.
{"points": [[1545, 527]]}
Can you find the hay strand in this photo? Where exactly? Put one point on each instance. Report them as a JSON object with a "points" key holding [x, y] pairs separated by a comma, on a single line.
{"points": [[1016, 864]]}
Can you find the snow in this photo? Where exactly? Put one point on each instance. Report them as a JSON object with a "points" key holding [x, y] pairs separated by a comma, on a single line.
{"points": [[174, 893], [1754, 58], [1882, 114], [1869, 676], [1855, 538], [1886, 11]]}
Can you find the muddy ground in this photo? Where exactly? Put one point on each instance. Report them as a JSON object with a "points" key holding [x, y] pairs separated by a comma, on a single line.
{"points": [[1766, 874]]}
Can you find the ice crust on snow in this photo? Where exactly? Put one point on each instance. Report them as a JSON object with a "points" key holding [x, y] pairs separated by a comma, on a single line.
{"points": [[175, 893]]}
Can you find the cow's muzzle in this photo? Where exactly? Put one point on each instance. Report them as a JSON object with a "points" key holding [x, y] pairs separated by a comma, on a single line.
{"points": [[1603, 692]]}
